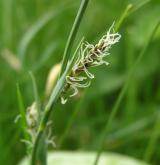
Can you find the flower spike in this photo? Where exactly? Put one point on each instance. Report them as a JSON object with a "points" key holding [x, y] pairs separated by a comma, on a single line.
{"points": [[89, 56]]}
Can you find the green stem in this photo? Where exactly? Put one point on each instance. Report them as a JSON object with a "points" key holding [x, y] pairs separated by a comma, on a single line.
{"points": [[35, 148], [73, 33], [59, 86], [130, 9], [35, 92], [45, 116], [42, 150], [123, 16], [121, 95], [44, 120]]}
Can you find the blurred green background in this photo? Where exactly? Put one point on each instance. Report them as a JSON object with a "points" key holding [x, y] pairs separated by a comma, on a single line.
{"points": [[35, 32]]}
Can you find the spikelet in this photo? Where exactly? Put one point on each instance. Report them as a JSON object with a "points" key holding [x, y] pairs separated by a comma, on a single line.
{"points": [[88, 56]]}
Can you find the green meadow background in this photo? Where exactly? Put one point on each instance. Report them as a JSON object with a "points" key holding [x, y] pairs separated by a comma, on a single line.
{"points": [[35, 32]]}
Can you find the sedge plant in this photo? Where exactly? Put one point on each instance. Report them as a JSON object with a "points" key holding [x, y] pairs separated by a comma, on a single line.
{"points": [[75, 74]]}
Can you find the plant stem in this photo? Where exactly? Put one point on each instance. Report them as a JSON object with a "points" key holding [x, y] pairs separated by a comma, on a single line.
{"points": [[123, 16], [122, 94], [45, 116], [130, 9], [35, 92], [59, 86], [72, 34], [41, 130]]}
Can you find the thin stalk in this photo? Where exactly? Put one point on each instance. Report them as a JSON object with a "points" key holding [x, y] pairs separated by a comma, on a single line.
{"points": [[123, 16], [130, 9], [35, 91], [122, 94], [42, 150], [72, 34]]}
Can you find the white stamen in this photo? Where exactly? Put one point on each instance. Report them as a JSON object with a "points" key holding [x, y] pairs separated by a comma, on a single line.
{"points": [[63, 101], [75, 91]]}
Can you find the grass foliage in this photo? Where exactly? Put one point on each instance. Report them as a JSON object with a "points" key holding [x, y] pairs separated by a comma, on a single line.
{"points": [[119, 112]]}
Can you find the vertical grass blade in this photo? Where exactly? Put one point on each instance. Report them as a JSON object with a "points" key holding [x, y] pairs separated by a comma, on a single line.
{"points": [[42, 148], [42, 151], [35, 92], [72, 35], [22, 113], [122, 94], [54, 97]]}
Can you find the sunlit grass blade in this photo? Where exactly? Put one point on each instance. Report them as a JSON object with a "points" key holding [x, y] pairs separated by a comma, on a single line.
{"points": [[72, 35], [122, 94]]}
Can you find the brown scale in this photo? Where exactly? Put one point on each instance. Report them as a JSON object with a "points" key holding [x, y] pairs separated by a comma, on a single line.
{"points": [[88, 64]]}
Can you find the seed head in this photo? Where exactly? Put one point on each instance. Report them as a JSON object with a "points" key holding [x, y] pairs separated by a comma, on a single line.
{"points": [[88, 56]]}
